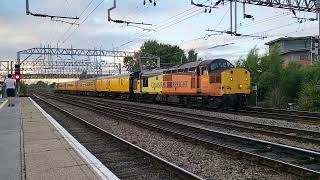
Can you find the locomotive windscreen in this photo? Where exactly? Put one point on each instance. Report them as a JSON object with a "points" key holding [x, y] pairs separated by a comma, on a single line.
{"points": [[220, 64]]}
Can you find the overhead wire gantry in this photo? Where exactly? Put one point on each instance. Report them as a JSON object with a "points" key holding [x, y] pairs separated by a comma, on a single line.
{"points": [[52, 17], [70, 63], [122, 21]]}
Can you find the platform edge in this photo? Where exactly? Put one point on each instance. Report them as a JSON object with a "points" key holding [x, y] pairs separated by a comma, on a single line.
{"points": [[94, 163]]}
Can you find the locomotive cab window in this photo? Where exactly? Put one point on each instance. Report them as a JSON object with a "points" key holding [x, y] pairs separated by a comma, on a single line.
{"points": [[220, 64], [204, 71], [213, 66], [193, 69], [229, 65]]}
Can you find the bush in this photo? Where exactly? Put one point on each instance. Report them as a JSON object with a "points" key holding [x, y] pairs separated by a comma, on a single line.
{"points": [[309, 97]]}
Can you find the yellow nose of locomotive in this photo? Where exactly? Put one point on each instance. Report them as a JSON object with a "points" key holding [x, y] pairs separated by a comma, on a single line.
{"points": [[235, 81]]}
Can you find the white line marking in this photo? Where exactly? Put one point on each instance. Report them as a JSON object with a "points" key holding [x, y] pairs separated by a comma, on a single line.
{"points": [[4, 102], [98, 167]]}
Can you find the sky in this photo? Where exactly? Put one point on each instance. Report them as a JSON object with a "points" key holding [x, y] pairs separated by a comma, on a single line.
{"points": [[176, 22]]}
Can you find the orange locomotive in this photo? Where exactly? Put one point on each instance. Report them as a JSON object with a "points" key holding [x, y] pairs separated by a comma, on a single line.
{"points": [[211, 83]]}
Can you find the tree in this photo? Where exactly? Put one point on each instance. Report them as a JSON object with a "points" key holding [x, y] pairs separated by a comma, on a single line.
{"points": [[251, 63], [131, 64], [192, 55], [239, 62], [23, 89], [269, 74], [278, 85], [309, 97], [83, 75], [291, 81], [169, 55]]}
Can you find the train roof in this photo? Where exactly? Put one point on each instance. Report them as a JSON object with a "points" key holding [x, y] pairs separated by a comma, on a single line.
{"points": [[196, 64], [112, 76], [153, 72]]}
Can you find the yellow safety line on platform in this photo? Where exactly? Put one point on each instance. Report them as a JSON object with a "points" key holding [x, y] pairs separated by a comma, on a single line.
{"points": [[1, 106]]}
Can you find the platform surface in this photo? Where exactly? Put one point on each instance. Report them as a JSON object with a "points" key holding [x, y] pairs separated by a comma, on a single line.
{"points": [[10, 149], [47, 155]]}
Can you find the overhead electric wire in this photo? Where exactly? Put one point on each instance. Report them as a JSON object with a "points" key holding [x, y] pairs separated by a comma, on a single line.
{"points": [[68, 8], [157, 30], [56, 26], [216, 26], [160, 24], [164, 26], [155, 26], [235, 38], [264, 20], [82, 22], [250, 24], [83, 11], [194, 13]]}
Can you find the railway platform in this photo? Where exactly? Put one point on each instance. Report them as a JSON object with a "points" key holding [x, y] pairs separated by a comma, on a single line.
{"points": [[33, 147]]}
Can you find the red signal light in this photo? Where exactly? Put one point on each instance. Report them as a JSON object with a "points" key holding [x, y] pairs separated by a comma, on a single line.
{"points": [[17, 77]]}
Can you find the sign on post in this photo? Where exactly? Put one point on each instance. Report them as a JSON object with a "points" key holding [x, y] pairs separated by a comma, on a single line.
{"points": [[254, 88]]}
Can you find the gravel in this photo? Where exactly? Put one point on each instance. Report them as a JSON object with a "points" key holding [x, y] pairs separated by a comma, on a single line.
{"points": [[196, 158], [280, 123]]}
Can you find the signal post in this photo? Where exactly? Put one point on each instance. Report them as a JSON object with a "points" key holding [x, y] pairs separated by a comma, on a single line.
{"points": [[17, 76]]}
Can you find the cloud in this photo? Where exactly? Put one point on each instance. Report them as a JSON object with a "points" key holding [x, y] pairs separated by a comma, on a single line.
{"points": [[18, 31]]}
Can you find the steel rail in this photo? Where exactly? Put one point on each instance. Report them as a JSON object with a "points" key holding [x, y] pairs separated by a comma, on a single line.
{"points": [[292, 159], [302, 114], [311, 118], [175, 171], [290, 116], [270, 130]]}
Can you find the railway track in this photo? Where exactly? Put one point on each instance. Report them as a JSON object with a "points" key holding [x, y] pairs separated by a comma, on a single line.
{"points": [[269, 130], [124, 159], [292, 159], [312, 118]]}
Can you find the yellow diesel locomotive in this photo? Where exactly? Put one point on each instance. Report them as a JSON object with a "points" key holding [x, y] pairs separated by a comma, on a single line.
{"points": [[210, 83]]}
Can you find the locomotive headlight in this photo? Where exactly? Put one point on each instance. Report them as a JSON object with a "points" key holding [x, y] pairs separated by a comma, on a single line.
{"points": [[231, 79], [240, 86], [246, 79]]}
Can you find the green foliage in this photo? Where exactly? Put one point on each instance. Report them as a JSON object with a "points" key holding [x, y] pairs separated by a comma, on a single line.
{"points": [[291, 81], [23, 88], [309, 97], [312, 73], [26, 89], [251, 63], [169, 55], [131, 64], [239, 62], [265, 71], [39, 85], [265, 84], [83, 75], [192, 56], [279, 85], [277, 98]]}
